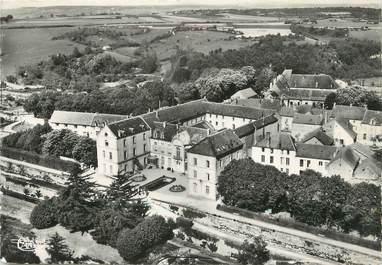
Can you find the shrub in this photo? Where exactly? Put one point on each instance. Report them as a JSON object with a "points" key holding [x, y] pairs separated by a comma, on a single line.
{"points": [[184, 223], [134, 244], [44, 214], [253, 253], [188, 213], [212, 247]]}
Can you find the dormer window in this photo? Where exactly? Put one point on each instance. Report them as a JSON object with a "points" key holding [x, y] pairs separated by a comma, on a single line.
{"points": [[105, 134], [162, 135], [373, 122]]}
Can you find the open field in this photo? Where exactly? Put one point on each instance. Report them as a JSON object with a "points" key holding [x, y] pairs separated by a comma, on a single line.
{"points": [[373, 34], [202, 41], [26, 46]]}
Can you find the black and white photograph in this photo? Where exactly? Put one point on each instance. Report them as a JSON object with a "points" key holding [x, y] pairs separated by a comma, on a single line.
{"points": [[169, 132]]}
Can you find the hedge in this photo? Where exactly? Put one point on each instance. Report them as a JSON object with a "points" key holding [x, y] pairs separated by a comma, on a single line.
{"points": [[44, 215], [34, 158], [303, 227], [20, 196]]}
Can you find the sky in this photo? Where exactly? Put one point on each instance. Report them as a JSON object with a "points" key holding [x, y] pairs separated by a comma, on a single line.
{"points": [[6, 4]]}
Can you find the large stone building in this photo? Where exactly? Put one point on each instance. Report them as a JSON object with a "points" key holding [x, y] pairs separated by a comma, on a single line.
{"points": [[300, 89], [82, 123]]}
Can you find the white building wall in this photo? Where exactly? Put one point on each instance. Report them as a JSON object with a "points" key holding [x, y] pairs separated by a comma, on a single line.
{"points": [[366, 133], [283, 160], [300, 130], [81, 130], [220, 121]]}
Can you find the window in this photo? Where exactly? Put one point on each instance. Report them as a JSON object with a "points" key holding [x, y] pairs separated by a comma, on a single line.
{"points": [[195, 161], [233, 126], [221, 163], [75, 126], [216, 123], [342, 141], [208, 176], [155, 142], [287, 161], [110, 155], [105, 134], [133, 139], [287, 152], [244, 119], [281, 160], [207, 163], [320, 163], [178, 152], [134, 152], [307, 163], [106, 143], [195, 187], [195, 174], [125, 155], [262, 149], [124, 142], [263, 158], [207, 189], [301, 162], [233, 118], [271, 159], [144, 136], [287, 171], [210, 115], [364, 136], [103, 153], [144, 148], [281, 169], [223, 123], [271, 150]]}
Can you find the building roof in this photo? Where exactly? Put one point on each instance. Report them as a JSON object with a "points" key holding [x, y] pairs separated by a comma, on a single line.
{"points": [[84, 118], [164, 131], [306, 94], [282, 141], [348, 112], [128, 127], [320, 135], [250, 128], [346, 126], [370, 165], [320, 81], [258, 103], [347, 155], [372, 117], [245, 93], [183, 112], [308, 119], [218, 145], [204, 125], [313, 151]]}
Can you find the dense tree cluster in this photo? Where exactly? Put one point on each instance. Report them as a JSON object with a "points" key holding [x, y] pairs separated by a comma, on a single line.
{"points": [[123, 100], [309, 197], [42, 140], [356, 96], [344, 59], [134, 244], [254, 252]]}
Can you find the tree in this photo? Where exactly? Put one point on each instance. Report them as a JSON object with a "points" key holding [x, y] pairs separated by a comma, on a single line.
{"points": [[253, 253], [44, 215], [60, 143], [330, 100], [41, 105], [11, 79], [264, 78], [378, 154], [58, 249], [76, 53], [358, 96], [85, 151], [135, 244]]}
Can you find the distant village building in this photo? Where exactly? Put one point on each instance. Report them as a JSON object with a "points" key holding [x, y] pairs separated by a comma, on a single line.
{"points": [[299, 89], [83, 123]]}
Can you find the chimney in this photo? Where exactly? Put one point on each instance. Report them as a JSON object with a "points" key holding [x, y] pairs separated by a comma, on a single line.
{"points": [[156, 114], [316, 84], [164, 124], [131, 130], [177, 127]]}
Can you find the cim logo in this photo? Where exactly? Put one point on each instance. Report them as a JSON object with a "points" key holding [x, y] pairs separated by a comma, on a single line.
{"points": [[27, 244]]}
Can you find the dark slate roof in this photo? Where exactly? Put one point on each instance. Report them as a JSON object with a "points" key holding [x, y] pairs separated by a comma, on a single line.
{"points": [[347, 155], [372, 116], [204, 125], [250, 128], [281, 141], [287, 112], [164, 131], [236, 111], [313, 151], [320, 81], [128, 127], [196, 134], [306, 94], [320, 135], [308, 119], [346, 126], [348, 112], [84, 118], [218, 145]]}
